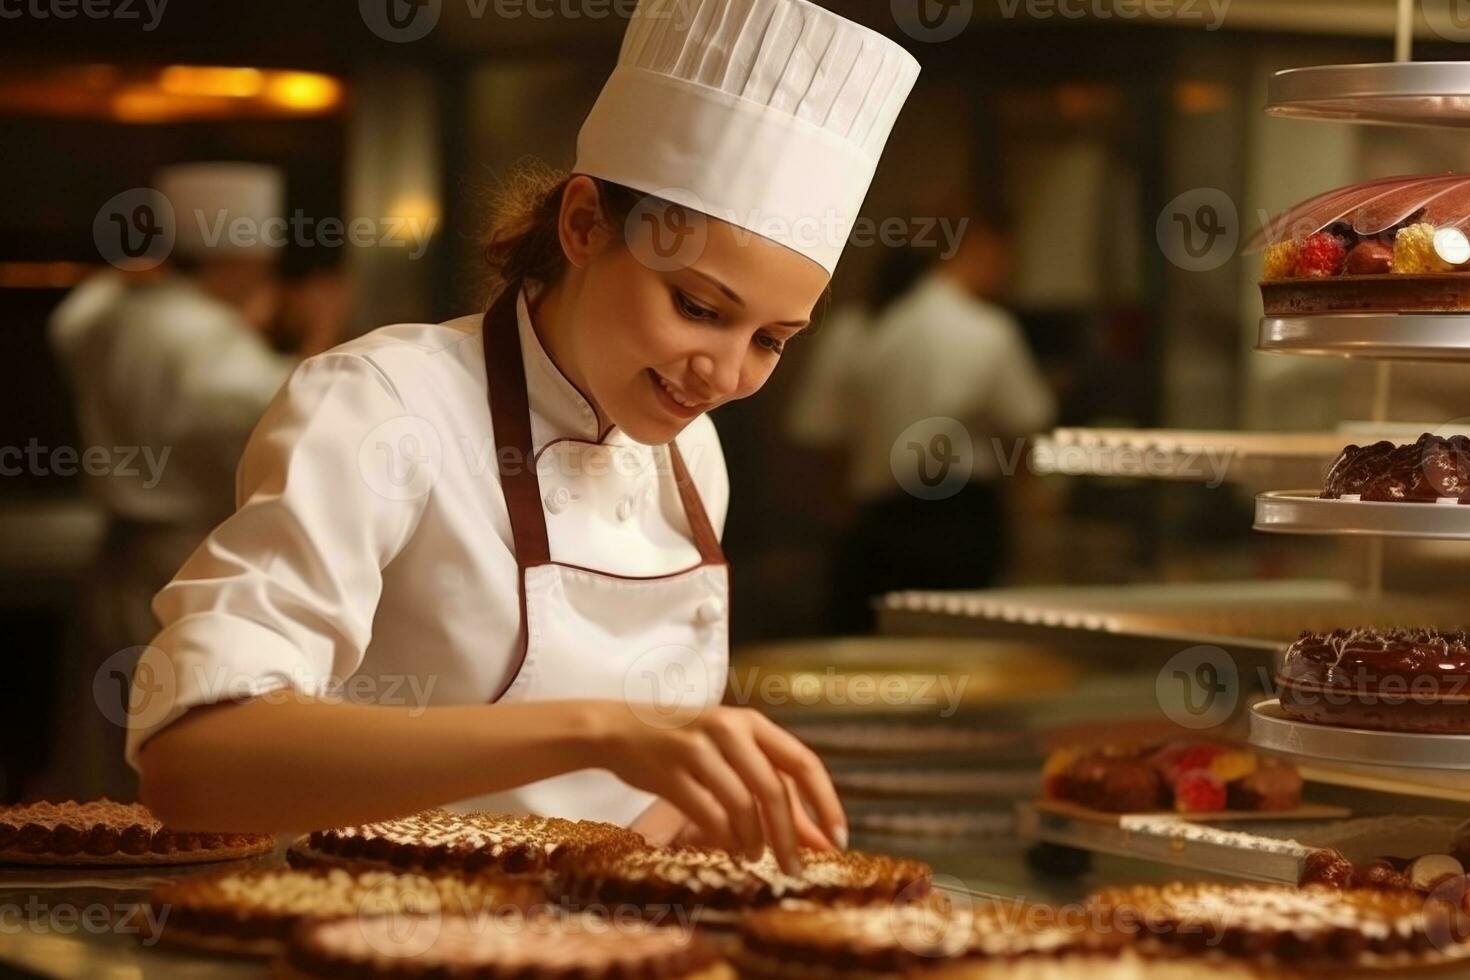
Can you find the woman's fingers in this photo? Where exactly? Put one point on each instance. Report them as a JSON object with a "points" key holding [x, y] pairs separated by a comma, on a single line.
{"points": [[812, 779], [808, 834], [717, 775], [691, 798], [757, 771]]}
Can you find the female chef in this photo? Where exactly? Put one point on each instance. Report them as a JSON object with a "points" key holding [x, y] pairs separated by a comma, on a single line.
{"points": [[481, 558]]}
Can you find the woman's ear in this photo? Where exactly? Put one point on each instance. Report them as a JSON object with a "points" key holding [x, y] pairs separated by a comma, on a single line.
{"points": [[581, 224]]}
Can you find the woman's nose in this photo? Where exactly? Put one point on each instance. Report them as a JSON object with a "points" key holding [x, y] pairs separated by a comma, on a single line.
{"points": [[719, 371]]}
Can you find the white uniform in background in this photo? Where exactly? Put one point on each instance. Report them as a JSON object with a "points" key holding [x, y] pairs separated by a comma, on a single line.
{"points": [[940, 351], [170, 381], [829, 393], [389, 534]]}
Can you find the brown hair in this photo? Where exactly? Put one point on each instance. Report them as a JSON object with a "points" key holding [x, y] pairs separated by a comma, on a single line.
{"points": [[522, 241]]}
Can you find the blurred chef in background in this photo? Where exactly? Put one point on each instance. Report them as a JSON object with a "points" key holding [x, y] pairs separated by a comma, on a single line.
{"points": [[943, 347], [176, 367]]}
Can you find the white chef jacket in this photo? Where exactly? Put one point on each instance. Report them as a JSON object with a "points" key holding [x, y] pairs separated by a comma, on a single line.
{"points": [[372, 542], [170, 381], [938, 351]]}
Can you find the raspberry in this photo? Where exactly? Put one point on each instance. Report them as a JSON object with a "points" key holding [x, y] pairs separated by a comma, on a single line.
{"points": [[1177, 758], [1321, 255], [1199, 792], [1232, 765]]}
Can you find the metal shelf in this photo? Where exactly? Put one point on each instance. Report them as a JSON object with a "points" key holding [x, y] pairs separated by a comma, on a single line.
{"points": [[1375, 336], [1408, 93], [1304, 512]]}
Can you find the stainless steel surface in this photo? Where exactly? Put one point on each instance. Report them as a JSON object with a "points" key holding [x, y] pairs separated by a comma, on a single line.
{"points": [[1383, 336], [1414, 93], [1219, 857], [1303, 512], [1208, 457], [1271, 729]]}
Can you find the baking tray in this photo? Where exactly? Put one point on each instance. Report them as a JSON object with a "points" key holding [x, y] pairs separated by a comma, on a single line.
{"points": [[1247, 619], [1411, 93], [1379, 336], [1189, 456], [1304, 512]]}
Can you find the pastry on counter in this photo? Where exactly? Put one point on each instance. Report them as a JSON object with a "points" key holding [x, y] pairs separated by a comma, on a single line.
{"points": [[105, 832], [717, 886], [1185, 776], [1406, 680], [1127, 964], [502, 946], [785, 943], [436, 840], [1310, 927], [1434, 469], [252, 913], [1422, 874], [1386, 245]]}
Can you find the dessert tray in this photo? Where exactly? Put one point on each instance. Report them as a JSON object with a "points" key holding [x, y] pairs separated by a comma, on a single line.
{"points": [[1307, 512], [1415, 93], [1192, 456]]}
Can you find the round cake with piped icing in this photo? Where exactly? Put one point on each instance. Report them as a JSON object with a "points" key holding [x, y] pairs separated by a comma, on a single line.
{"points": [[252, 912], [442, 840], [106, 832], [1312, 926], [1409, 680], [712, 885], [506, 946]]}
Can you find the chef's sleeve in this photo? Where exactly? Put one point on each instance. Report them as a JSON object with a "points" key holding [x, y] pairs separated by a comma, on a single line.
{"points": [[282, 594]]}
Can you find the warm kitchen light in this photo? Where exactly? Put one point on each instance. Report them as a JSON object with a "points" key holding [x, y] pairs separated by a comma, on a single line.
{"points": [[176, 93]]}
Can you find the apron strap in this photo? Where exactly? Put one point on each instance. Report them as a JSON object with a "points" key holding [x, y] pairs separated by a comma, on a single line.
{"points": [[510, 415], [705, 539]]}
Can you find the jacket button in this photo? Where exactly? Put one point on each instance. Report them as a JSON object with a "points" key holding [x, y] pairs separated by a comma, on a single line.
{"points": [[625, 509], [710, 611], [558, 500]]}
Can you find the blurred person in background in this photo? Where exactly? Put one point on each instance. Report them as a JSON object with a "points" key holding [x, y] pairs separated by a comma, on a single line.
{"points": [[175, 368], [943, 347]]}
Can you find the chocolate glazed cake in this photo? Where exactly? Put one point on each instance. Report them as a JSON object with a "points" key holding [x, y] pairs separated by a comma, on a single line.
{"points": [[1406, 680], [105, 832], [1432, 470], [1311, 927], [499, 947], [713, 886], [252, 913], [438, 839]]}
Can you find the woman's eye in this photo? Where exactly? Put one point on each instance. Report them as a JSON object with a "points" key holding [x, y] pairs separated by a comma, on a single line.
{"points": [[770, 343], [691, 309]]}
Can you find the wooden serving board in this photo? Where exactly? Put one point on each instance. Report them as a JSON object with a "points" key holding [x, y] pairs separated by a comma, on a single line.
{"points": [[1307, 811]]}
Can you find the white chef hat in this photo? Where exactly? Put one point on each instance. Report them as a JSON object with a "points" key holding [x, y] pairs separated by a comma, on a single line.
{"points": [[769, 114], [208, 200]]}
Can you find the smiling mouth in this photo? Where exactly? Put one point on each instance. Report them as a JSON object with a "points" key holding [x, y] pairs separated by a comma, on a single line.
{"points": [[675, 400]]}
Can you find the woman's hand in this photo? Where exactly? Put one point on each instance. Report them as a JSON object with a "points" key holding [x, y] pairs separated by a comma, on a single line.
{"points": [[739, 778]]}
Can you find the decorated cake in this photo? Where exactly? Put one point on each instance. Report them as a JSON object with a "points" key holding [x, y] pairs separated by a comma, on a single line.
{"points": [[1389, 245], [887, 940], [253, 912], [1423, 874], [1183, 776], [438, 839], [1432, 470], [1310, 927], [713, 885], [502, 946], [1410, 680], [105, 832]]}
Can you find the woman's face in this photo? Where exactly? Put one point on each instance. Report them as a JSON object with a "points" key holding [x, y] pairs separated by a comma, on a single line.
{"points": [[682, 315]]}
